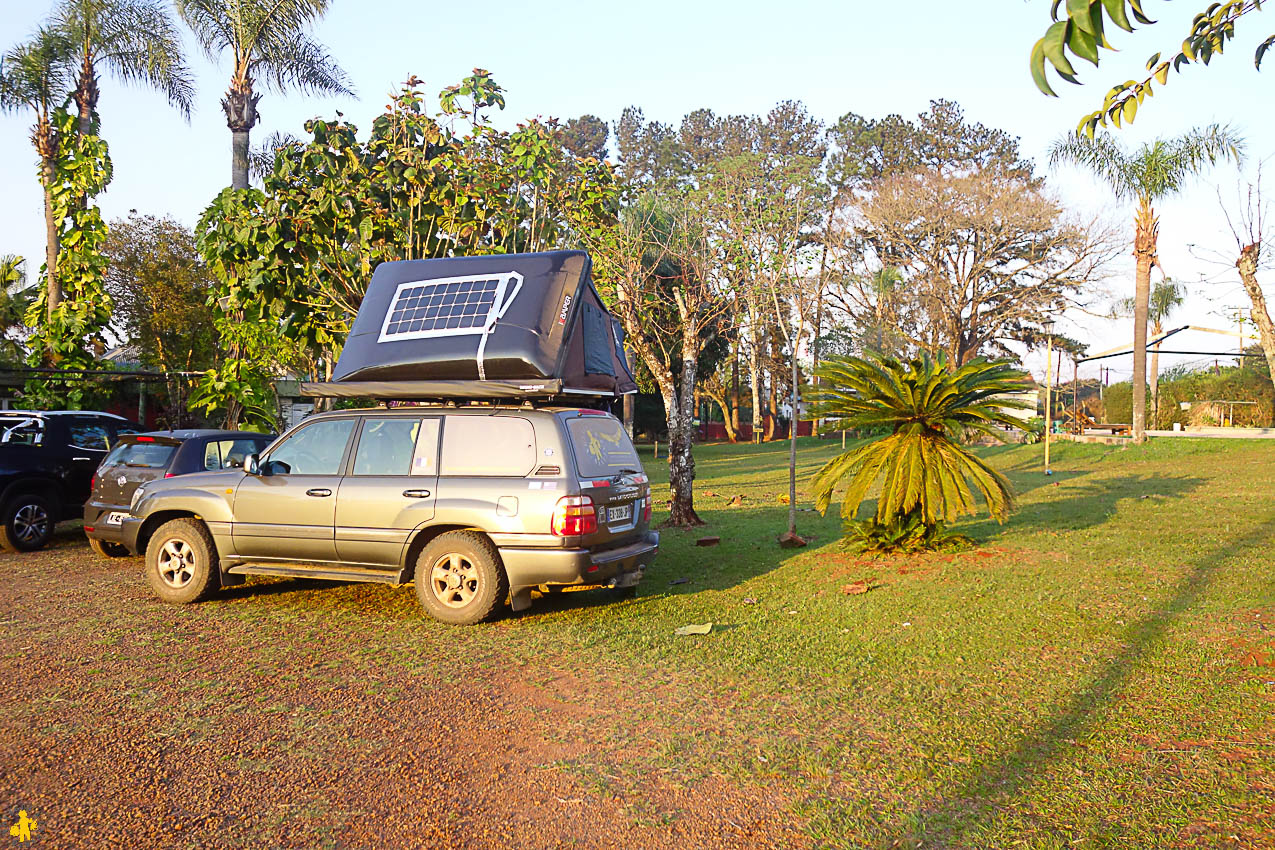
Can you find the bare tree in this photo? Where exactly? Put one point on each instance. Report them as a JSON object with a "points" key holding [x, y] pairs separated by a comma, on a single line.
{"points": [[981, 256], [1247, 226]]}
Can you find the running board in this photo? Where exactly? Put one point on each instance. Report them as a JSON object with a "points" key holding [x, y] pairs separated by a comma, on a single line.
{"points": [[316, 571]]}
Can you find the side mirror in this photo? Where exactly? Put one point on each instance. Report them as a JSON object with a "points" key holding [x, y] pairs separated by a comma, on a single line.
{"points": [[252, 464]]}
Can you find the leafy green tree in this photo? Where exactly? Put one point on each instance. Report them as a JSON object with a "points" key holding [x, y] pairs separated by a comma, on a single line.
{"points": [[136, 40], [586, 136], [1080, 28], [1150, 173], [926, 408], [15, 299], [38, 75], [161, 292], [69, 335], [266, 39]]}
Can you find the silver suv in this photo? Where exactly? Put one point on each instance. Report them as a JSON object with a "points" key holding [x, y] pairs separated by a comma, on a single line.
{"points": [[474, 504]]}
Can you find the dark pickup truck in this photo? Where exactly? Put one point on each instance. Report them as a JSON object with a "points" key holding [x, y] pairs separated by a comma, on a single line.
{"points": [[47, 462]]}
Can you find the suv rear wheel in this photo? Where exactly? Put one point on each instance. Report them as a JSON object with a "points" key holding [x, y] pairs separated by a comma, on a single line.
{"points": [[107, 549], [181, 562], [459, 578], [27, 523]]}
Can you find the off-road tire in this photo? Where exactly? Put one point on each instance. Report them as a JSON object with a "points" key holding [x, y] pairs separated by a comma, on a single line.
{"points": [[480, 585], [107, 549], [181, 562], [21, 526]]}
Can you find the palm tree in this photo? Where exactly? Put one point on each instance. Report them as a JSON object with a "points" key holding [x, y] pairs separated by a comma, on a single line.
{"points": [[136, 40], [1151, 173], [925, 472], [38, 76], [266, 37], [1166, 296]]}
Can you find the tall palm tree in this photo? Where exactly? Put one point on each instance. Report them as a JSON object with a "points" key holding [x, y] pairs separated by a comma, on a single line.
{"points": [[136, 40], [39, 76], [1154, 171], [1166, 296], [925, 472], [265, 37]]}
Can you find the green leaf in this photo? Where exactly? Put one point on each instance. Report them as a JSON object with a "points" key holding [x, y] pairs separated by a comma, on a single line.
{"points": [[1115, 10], [1053, 44], [1130, 109], [1083, 45], [1079, 12], [1155, 57]]}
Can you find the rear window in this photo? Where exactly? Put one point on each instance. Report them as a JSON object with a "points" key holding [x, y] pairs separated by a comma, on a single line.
{"points": [[488, 445], [602, 448], [146, 455], [23, 431]]}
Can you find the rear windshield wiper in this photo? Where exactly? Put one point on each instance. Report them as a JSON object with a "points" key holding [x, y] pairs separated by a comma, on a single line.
{"points": [[627, 471]]}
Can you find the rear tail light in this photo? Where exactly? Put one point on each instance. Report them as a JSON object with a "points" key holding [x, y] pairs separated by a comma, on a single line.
{"points": [[169, 474], [574, 516], [646, 509], [93, 482]]}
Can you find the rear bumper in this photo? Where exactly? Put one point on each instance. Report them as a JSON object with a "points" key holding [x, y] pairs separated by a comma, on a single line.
{"points": [[623, 566], [95, 514]]}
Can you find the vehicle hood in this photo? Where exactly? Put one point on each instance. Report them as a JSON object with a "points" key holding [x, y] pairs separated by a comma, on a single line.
{"points": [[217, 481]]}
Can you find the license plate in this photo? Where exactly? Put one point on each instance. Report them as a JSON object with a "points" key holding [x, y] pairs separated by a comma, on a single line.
{"points": [[116, 517], [617, 514]]}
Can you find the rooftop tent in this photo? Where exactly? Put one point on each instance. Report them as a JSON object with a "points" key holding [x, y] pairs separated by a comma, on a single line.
{"points": [[502, 326]]}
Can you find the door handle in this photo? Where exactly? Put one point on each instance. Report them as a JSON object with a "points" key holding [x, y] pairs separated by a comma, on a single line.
{"points": [[319, 491], [416, 494]]}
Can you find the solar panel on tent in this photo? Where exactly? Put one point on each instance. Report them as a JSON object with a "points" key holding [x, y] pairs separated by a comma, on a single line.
{"points": [[450, 306]]}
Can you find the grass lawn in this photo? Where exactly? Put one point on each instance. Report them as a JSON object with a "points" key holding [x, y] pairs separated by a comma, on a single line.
{"points": [[1100, 672]]}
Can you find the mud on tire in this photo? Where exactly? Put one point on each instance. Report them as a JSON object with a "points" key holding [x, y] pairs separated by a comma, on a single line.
{"points": [[460, 579], [181, 562]]}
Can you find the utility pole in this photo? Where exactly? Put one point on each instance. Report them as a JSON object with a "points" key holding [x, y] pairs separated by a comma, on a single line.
{"points": [[1048, 326]]}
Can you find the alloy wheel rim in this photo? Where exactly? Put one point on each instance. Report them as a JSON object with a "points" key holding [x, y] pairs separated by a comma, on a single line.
{"points": [[30, 523], [454, 580], [176, 563]]}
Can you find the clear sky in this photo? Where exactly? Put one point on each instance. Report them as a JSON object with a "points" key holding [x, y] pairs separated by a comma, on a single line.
{"points": [[568, 58]]}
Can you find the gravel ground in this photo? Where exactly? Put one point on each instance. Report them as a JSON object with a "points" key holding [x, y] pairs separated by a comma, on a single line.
{"points": [[126, 722]]}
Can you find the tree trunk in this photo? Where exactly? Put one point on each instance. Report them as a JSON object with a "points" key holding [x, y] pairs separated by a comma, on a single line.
{"points": [[772, 410], [679, 414], [1144, 251], [52, 242], [1247, 265], [754, 377], [240, 106]]}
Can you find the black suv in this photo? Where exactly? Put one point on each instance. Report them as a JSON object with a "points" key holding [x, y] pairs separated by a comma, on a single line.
{"points": [[139, 458], [47, 461]]}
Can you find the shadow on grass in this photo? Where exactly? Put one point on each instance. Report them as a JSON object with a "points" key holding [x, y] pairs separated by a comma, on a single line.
{"points": [[1087, 504], [992, 785]]}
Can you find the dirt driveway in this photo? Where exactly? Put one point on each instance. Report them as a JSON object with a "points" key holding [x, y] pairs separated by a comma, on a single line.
{"points": [[125, 722]]}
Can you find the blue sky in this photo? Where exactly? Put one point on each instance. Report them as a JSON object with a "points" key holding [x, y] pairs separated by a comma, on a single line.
{"points": [[568, 58]]}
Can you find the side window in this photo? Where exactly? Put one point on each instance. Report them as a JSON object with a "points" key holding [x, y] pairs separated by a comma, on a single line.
{"points": [[386, 446], [425, 456], [212, 455], [235, 452], [315, 449], [87, 434], [488, 445]]}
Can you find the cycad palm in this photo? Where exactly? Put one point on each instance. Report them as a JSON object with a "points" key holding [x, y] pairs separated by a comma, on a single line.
{"points": [[38, 76], [925, 473], [266, 37], [136, 40], [1151, 173]]}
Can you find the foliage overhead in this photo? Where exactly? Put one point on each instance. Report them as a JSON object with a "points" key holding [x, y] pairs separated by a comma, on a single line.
{"points": [[925, 407], [1080, 29]]}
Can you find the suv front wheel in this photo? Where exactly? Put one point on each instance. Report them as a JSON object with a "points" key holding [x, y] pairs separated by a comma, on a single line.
{"points": [[459, 578], [181, 562]]}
